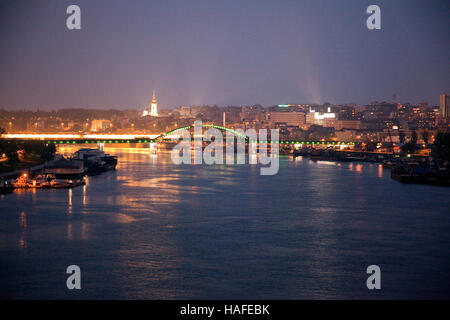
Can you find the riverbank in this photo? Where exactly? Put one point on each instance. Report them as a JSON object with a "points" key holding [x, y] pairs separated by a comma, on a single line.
{"points": [[7, 170], [344, 155], [60, 172]]}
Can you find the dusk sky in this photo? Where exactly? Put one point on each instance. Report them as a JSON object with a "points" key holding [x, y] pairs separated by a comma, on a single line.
{"points": [[228, 52]]}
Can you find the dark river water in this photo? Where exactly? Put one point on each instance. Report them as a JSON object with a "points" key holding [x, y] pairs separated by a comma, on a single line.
{"points": [[155, 230]]}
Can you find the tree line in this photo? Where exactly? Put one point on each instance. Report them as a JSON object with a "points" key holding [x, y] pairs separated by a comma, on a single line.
{"points": [[11, 149]]}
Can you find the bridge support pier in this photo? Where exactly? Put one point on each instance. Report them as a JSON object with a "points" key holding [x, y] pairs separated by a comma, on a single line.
{"points": [[153, 147], [252, 152]]}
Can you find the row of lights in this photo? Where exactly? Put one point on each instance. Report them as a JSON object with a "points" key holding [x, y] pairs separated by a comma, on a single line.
{"points": [[152, 141]]}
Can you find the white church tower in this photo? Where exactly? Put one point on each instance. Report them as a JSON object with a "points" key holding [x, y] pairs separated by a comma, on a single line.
{"points": [[153, 107]]}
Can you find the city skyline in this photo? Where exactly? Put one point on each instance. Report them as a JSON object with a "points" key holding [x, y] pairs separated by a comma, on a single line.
{"points": [[169, 108], [205, 53]]}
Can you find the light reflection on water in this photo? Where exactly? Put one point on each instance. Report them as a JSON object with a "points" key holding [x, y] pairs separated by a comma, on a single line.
{"points": [[155, 230]]}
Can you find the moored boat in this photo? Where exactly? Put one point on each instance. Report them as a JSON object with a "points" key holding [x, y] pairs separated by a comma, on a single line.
{"points": [[95, 160], [63, 173], [414, 172], [6, 186]]}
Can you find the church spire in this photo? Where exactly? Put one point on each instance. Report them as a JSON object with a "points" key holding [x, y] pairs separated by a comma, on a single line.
{"points": [[153, 111], [154, 106]]}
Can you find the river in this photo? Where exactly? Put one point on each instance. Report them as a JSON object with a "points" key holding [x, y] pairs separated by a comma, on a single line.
{"points": [[156, 230]]}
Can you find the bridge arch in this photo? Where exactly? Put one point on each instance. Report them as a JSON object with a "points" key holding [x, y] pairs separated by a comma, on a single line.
{"points": [[168, 133]]}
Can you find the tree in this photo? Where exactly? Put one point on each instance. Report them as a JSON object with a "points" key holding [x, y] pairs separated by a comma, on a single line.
{"points": [[39, 149], [414, 138], [442, 146], [410, 146], [425, 136], [401, 137], [8, 148], [11, 149], [47, 152]]}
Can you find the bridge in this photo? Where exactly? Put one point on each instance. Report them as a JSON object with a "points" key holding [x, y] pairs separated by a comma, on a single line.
{"points": [[67, 139]]}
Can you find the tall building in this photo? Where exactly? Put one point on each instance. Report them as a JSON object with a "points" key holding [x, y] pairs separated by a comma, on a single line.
{"points": [[445, 105], [153, 107]]}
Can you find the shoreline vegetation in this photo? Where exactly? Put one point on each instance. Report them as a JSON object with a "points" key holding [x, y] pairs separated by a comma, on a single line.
{"points": [[24, 165], [21, 156]]}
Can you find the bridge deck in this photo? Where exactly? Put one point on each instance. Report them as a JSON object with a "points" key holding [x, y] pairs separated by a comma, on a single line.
{"points": [[95, 141]]}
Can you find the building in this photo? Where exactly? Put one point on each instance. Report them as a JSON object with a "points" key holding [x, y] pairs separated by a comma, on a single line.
{"points": [[423, 104], [254, 113], [325, 119], [100, 125], [153, 108], [346, 135], [189, 112], [445, 105], [289, 118], [185, 112], [348, 124]]}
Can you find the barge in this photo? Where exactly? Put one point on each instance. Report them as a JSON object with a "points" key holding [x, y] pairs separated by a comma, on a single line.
{"points": [[420, 173], [95, 161]]}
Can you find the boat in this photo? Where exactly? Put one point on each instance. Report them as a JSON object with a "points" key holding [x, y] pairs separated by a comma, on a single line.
{"points": [[415, 172], [387, 164], [55, 174], [6, 186], [95, 160], [63, 173], [67, 183], [351, 159], [303, 152]]}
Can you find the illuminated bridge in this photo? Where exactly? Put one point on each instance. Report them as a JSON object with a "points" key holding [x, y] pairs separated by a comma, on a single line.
{"points": [[162, 138]]}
